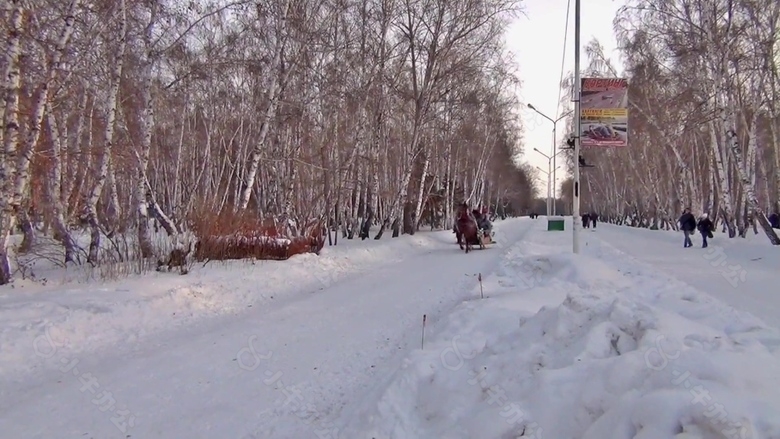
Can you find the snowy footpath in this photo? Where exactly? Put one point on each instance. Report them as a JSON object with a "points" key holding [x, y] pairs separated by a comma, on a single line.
{"points": [[742, 272], [608, 344], [286, 346], [595, 346]]}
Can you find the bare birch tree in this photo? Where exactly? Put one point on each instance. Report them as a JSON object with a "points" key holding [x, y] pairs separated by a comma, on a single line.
{"points": [[154, 114], [701, 123]]}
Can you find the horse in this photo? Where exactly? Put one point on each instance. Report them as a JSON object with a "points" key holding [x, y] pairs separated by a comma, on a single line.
{"points": [[466, 230]]}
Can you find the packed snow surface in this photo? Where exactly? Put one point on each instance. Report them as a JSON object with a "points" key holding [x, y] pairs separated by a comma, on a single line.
{"points": [[630, 339], [593, 346], [741, 272]]}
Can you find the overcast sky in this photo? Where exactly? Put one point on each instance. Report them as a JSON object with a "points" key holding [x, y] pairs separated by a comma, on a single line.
{"points": [[536, 39]]}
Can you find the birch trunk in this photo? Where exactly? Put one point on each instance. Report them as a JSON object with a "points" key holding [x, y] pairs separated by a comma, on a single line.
{"points": [[373, 207], [147, 127], [359, 194], [776, 144], [164, 220], [178, 208], [101, 169], [723, 182], [13, 50], [767, 188], [402, 196], [54, 193], [751, 167], [10, 133], [112, 211], [347, 222], [40, 104], [277, 83], [397, 204], [712, 206], [75, 196], [747, 185], [693, 184], [75, 158], [448, 190], [421, 194], [681, 163]]}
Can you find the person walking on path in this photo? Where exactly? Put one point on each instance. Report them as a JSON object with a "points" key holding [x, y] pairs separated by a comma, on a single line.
{"points": [[593, 218], [705, 227], [688, 225]]}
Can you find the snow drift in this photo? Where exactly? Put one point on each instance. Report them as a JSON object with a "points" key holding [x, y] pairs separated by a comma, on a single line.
{"points": [[593, 347]]}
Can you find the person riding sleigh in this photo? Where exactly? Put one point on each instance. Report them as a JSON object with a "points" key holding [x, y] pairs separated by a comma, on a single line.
{"points": [[480, 218], [483, 222]]}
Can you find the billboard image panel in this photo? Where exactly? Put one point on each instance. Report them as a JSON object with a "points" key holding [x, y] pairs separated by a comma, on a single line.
{"points": [[604, 112]]}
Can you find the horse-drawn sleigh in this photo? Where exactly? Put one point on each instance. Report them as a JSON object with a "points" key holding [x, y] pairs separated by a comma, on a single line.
{"points": [[472, 228]]}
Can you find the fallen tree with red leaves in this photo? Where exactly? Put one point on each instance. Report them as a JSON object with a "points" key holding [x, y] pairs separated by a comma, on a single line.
{"points": [[254, 238]]}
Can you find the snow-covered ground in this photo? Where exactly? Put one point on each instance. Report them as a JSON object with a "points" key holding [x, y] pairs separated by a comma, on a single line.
{"points": [[595, 346], [336, 324], [742, 272], [84, 316], [607, 344]]}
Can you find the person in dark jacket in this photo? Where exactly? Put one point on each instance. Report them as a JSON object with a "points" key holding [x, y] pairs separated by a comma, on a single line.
{"points": [[705, 227], [585, 220], [774, 220], [688, 226], [482, 221], [593, 218]]}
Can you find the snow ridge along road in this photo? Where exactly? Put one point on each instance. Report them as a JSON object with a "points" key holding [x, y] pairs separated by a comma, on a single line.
{"points": [[276, 371]]}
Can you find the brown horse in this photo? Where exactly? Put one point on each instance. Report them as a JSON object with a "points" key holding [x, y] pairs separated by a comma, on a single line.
{"points": [[466, 230]]}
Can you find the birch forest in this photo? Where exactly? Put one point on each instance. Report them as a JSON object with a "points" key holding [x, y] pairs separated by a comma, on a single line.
{"points": [[704, 120], [122, 118]]}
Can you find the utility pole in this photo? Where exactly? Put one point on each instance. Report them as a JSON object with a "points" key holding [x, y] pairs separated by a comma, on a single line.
{"points": [[550, 183], [548, 174], [555, 180], [554, 193], [577, 131]]}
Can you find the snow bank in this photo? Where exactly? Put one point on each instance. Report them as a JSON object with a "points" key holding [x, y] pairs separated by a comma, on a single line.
{"points": [[35, 318], [592, 347]]}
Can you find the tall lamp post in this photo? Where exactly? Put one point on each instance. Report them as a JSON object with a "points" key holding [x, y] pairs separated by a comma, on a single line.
{"points": [[555, 146], [550, 173]]}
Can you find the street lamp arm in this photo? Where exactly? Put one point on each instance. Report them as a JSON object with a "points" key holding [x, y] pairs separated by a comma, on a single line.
{"points": [[545, 155], [540, 113], [564, 115], [551, 177]]}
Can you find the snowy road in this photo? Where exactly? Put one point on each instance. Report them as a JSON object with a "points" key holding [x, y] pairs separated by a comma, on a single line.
{"points": [[203, 381], [708, 269]]}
